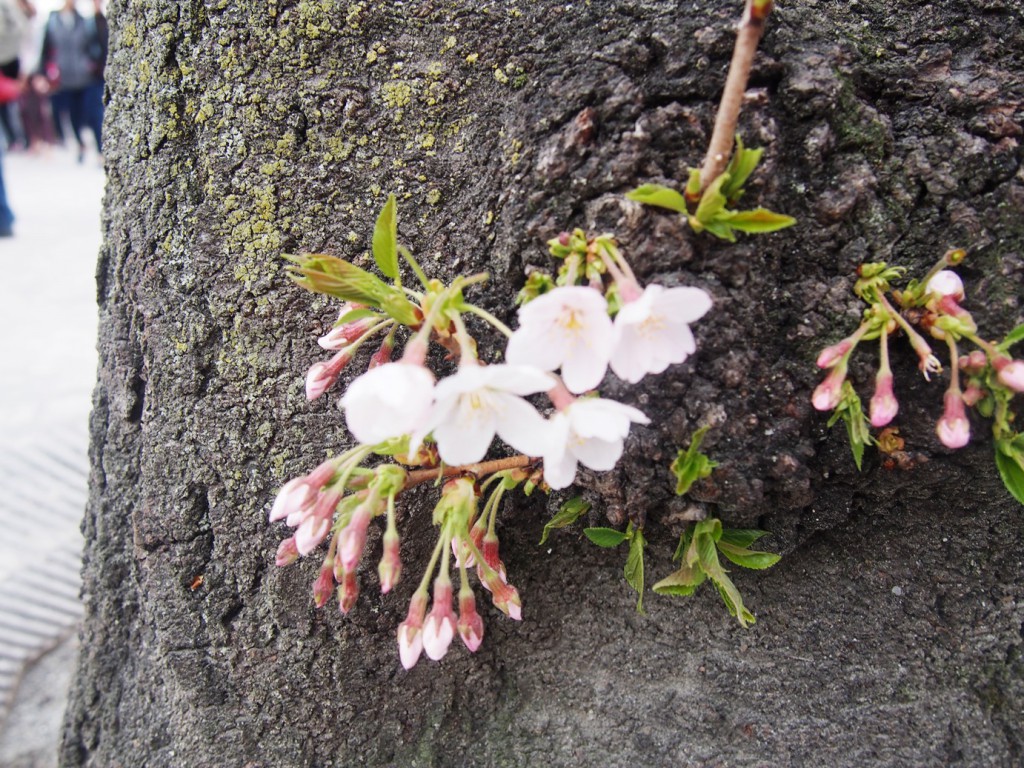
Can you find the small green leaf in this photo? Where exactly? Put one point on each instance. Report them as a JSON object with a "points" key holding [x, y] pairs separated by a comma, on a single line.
{"points": [[537, 284], [1017, 334], [605, 537], [634, 570], [356, 314], [385, 239], [758, 220], [691, 465], [338, 278], [733, 601], [569, 513], [661, 196], [400, 308], [742, 164], [851, 412], [712, 201], [747, 558], [681, 582], [741, 537], [684, 543], [719, 229], [1010, 463]]}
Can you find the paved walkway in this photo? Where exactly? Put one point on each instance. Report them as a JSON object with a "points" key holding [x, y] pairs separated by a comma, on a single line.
{"points": [[47, 371]]}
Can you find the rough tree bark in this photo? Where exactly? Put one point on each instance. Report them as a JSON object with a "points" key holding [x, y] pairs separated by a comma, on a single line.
{"points": [[890, 634]]}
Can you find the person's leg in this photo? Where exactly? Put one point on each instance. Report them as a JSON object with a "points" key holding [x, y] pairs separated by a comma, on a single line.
{"points": [[76, 111], [59, 107], [6, 216], [94, 112]]}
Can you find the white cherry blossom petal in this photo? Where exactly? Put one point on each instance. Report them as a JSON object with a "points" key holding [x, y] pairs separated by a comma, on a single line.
{"points": [[521, 427], [388, 401], [568, 328], [599, 455]]}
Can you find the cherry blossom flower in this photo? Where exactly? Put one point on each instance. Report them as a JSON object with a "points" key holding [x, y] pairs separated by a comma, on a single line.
{"points": [[590, 431], [479, 401], [953, 428], [389, 401], [568, 327], [653, 332]]}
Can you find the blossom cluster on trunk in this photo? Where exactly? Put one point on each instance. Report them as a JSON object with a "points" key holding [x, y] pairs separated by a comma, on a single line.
{"points": [[541, 403]]}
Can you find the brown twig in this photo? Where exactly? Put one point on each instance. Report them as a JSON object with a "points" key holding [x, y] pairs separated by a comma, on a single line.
{"points": [[747, 37], [421, 476]]}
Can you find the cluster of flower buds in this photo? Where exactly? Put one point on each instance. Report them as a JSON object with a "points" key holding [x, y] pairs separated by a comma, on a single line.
{"points": [[572, 329], [935, 306]]}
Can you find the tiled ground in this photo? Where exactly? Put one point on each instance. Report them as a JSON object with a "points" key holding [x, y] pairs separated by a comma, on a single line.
{"points": [[47, 369]]}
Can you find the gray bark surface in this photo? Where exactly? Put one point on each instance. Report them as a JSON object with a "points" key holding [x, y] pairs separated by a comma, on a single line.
{"points": [[891, 632]]}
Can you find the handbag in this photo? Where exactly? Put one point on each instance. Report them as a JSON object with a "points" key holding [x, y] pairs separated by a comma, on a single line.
{"points": [[10, 89]]}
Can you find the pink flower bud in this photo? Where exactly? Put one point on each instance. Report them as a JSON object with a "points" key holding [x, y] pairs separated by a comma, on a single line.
{"points": [[314, 528], [830, 392], [343, 335], [322, 475], [323, 586], [831, 355], [382, 355], [490, 550], [348, 591], [321, 376], [946, 283], [287, 553], [410, 631], [390, 567], [883, 406], [564, 238], [353, 537], [294, 496], [504, 596], [464, 557], [953, 428], [439, 627], [470, 626], [1012, 375], [973, 395]]}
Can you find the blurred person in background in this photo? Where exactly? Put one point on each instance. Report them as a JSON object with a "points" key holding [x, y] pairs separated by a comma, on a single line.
{"points": [[12, 28], [72, 61], [34, 104], [14, 16]]}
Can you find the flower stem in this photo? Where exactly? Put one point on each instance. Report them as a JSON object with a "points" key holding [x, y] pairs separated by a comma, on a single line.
{"points": [[495, 322], [747, 38], [480, 469]]}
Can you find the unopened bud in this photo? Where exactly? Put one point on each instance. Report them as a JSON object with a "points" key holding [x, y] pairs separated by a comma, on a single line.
{"points": [[287, 552], [829, 393], [348, 591], [1011, 374], [323, 586], [953, 428], [390, 567], [470, 626], [883, 406], [382, 355]]}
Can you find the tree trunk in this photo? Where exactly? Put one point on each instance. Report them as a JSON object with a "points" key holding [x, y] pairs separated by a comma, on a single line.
{"points": [[889, 634]]}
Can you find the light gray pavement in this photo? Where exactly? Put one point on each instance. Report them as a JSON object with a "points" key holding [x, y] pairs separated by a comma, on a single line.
{"points": [[47, 371]]}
